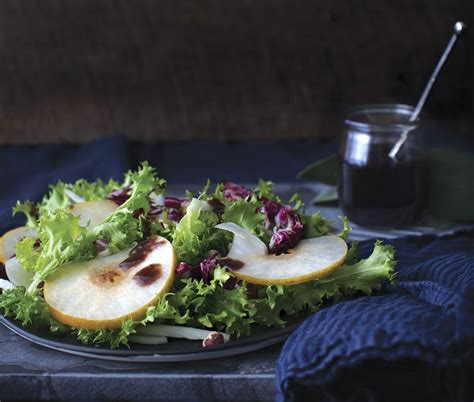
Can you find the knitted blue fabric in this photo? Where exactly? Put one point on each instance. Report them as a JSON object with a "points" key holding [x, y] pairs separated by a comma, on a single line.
{"points": [[414, 340]]}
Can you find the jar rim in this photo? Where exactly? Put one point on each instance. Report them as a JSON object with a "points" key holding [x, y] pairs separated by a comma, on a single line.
{"points": [[364, 117]]}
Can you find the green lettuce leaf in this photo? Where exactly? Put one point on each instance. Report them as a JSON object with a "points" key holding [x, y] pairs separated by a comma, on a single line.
{"points": [[29, 209], [204, 305], [297, 203], [367, 274], [196, 234], [112, 337], [96, 190], [315, 225], [346, 229], [243, 213], [55, 199], [29, 309], [121, 228], [62, 240], [265, 189]]}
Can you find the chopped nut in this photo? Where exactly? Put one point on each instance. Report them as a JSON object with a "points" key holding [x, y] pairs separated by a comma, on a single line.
{"points": [[213, 339]]}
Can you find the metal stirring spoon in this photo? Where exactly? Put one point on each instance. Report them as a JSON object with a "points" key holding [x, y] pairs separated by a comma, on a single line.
{"points": [[459, 28]]}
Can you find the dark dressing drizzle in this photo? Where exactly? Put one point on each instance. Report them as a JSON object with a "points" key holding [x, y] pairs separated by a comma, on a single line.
{"points": [[146, 276], [141, 251], [233, 264]]}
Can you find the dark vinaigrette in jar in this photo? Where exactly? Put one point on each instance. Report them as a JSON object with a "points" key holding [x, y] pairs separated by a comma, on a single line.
{"points": [[375, 190]]}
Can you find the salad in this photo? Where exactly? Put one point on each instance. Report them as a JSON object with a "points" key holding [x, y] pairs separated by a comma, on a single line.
{"points": [[116, 263]]}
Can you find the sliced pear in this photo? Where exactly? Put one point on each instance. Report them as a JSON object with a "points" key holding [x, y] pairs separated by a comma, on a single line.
{"points": [[104, 292], [9, 239], [93, 212], [310, 259]]}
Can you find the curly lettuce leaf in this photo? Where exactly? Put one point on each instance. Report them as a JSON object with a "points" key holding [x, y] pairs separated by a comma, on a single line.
{"points": [[96, 190], [297, 202], [346, 227], [122, 228], [142, 182], [112, 337], [367, 274], [29, 209], [265, 189], [315, 225], [198, 304], [196, 234], [62, 239], [29, 309], [55, 199], [244, 213]]}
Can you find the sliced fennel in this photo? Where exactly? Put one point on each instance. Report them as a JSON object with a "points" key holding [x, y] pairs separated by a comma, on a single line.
{"points": [[157, 199], [174, 331], [244, 241], [4, 284], [16, 274], [148, 340], [73, 196]]}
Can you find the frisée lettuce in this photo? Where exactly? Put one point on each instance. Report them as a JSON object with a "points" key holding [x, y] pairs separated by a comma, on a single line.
{"points": [[205, 293]]}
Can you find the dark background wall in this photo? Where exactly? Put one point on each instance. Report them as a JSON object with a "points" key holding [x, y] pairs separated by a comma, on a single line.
{"points": [[73, 70]]}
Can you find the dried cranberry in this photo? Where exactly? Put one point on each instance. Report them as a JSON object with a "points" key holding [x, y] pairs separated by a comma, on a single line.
{"points": [[100, 244], [213, 339], [217, 206], [138, 212], [175, 215], [230, 283], [3, 273], [252, 291]]}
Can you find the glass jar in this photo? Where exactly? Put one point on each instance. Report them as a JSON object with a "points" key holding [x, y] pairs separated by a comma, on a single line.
{"points": [[374, 189]]}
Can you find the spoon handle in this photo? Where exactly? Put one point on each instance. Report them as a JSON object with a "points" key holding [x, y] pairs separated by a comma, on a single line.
{"points": [[459, 28]]}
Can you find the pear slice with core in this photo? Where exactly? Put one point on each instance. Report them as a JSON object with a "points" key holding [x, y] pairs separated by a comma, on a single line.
{"points": [[9, 239], [103, 292], [93, 212], [310, 259]]}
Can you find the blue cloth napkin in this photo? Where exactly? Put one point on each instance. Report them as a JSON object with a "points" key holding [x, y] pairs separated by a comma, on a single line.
{"points": [[414, 340]]}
